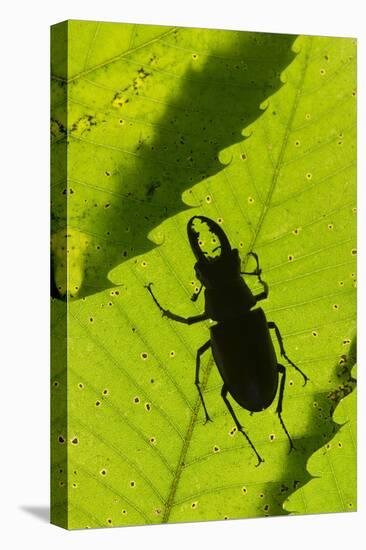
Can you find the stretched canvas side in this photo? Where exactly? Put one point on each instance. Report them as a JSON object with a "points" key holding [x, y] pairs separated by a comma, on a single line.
{"points": [[59, 266]]}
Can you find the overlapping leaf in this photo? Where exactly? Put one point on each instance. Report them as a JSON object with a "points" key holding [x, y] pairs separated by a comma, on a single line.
{"points": [[333, 466]]}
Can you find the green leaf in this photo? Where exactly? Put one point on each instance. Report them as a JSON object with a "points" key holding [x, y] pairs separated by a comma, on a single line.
{"points": [[138, 450], [333, 467]]}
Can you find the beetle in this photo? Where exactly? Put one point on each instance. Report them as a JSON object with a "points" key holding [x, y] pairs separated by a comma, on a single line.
{"points": [[240, 339]]}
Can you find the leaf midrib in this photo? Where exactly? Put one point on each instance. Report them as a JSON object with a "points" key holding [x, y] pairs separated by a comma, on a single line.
{"points": [[186, 442], [279, 162]]}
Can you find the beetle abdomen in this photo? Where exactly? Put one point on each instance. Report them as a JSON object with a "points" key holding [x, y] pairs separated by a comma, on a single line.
{"points": [[245, 356]]}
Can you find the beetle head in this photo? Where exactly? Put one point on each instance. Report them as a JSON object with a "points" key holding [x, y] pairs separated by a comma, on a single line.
{"points": [[216, 260]]}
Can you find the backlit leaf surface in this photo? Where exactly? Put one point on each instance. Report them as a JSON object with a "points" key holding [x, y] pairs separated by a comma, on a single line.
{"points": [[256, 132]]}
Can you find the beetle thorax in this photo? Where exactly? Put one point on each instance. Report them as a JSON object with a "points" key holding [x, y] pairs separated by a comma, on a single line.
{"points": [[228, 299]]}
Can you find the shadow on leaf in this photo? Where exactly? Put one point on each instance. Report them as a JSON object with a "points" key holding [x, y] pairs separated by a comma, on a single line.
{"points": [[323, 428], [208, 114]]}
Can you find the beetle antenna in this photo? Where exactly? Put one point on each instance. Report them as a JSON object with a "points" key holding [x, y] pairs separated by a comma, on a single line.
{"points": [[258, 273], [257, 270]]}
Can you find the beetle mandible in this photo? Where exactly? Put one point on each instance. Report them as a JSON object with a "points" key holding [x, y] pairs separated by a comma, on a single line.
{"points": [[240, 340]]}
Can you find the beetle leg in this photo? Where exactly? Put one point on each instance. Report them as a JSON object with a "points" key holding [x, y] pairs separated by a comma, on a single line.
{"points": [[173, 316], [200, 351], [196, 294], [185, 320], [263, 295], [238, 425], [255, 272], [282, 370], [273, 325]]}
